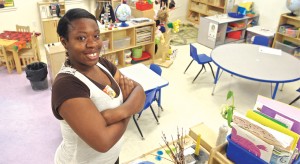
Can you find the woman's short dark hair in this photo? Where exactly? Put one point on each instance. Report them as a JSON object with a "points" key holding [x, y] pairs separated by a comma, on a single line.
{"points": [[72, 14]]}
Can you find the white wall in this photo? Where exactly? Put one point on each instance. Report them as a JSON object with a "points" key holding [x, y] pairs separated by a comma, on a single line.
{"points": [[269, 11], [26, 12]]}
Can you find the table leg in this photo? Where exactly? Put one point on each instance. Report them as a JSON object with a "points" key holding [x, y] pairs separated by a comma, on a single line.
{"points": [[17, 61], [275, 90], [216, 80], [282, 87]]}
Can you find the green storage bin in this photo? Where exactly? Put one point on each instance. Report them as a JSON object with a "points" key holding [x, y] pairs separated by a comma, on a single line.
{"points": [[137, 52]]}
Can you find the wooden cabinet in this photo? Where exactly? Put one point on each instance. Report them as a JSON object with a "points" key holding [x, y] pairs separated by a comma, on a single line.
{"points": [[49, 19], [202, 8], [121, 40], [287, 37], [49, 29], [55, 58], [221, 29]]}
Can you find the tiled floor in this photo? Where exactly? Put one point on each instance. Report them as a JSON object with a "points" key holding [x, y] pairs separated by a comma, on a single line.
{"points": [[29, 133]]}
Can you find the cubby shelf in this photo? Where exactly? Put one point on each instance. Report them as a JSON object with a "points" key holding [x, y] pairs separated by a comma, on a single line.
{"points": [[217, 30], [122, 39], [281, 36], [202, 8]]}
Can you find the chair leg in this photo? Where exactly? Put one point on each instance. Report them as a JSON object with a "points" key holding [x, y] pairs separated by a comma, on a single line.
{"points": [[212, 71], [198, 73], [188, 66], [158, 99], [296, 99], [204, 67], [139, 115], [8, 67], [154, 115], [137, 125]]}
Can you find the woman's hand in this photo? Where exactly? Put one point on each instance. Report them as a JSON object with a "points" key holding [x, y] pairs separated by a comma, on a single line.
{"points": [[126, 86]]}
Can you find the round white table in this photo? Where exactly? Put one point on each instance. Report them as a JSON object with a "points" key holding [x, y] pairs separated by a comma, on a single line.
{"points": [[258, 63]]}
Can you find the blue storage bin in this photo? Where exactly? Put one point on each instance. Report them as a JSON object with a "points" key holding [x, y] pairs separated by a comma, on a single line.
{"points": [[239, 155]]}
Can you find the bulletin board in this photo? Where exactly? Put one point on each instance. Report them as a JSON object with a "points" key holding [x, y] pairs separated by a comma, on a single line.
{"points": [[8, 3]]}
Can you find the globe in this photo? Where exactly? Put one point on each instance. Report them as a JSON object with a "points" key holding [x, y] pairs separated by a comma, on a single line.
{"points": [[123, 12], [293, 6]]}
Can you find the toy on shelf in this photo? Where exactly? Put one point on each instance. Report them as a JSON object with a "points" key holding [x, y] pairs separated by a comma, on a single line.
{"points": [[162, 35], [144, 5], [107, 14]]}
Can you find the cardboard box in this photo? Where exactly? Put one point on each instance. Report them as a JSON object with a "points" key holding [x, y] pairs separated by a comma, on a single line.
{"points": [[208, 137]]}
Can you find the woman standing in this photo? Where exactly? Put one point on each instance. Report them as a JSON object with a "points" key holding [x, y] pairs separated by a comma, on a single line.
{"points": [[90, 97]]}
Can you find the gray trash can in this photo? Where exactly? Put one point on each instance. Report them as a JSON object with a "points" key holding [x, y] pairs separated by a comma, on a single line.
{"points": [[37, 73]]}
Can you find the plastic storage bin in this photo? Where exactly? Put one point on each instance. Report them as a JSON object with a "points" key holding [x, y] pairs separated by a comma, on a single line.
{"points": [[105, 43], [143, 6], [121, 43], [239, 155], [127, 56], [284, 47], [235, 35], [137, 52], [259, 31]]}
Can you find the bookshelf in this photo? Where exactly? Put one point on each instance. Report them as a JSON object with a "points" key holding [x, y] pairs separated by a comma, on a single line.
{"points": [[285, 39], [122, 39]]}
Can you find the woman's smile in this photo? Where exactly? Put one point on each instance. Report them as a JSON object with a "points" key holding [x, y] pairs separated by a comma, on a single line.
{"points": [[93, 56]]}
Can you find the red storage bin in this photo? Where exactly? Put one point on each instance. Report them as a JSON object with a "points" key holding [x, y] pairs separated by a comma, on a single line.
{"points": [[143, 6], [235, 34]]}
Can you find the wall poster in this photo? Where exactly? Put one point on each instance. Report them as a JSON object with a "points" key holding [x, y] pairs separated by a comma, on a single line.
{"points": [[6, 3]]}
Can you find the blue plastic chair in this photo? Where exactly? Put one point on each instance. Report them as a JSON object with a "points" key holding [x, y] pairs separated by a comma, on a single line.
{"points": [[261, 40], [296, 99], [200, 59], [150, 95], [156, 68]]}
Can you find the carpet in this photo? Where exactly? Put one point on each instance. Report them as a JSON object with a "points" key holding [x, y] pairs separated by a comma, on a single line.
{"points": [[187, 34]]}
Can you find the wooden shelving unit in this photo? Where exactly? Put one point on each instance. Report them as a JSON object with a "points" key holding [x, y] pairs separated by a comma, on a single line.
{"points": [[123, 39], [49, 21], [281, 36], [203, 8]]}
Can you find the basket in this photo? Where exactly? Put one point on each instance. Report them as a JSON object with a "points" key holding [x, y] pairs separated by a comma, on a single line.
{"points": [[137, 52], [235, 15]]}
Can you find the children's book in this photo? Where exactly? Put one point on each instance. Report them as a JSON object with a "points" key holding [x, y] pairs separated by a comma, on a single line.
{"points": [[270, 118], [267, 134], [285, 113], [281, 156], [266, 122], [252, 143]]}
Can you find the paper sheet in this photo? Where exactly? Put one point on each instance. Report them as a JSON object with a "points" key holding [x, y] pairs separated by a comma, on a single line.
{"points": [[268, 50]]}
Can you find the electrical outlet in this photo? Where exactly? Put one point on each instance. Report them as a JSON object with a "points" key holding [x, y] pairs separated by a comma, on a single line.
{"points": [[34, 23]]}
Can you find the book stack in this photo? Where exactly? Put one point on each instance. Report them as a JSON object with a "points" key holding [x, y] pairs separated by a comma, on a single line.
{"points": [[267, 134], [143, 35]]}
